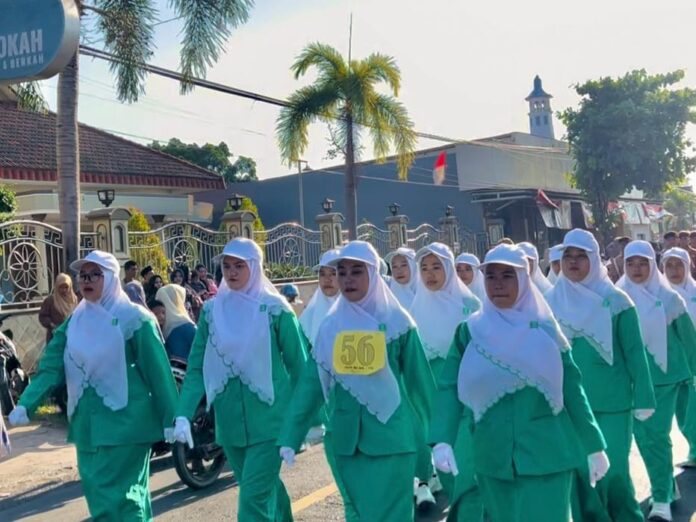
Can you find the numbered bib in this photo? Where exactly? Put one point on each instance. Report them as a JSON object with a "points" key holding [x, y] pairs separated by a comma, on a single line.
{"points": [[359, 353]]}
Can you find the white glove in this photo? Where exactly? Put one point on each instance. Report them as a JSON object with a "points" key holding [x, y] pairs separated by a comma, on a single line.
{"points": [[599, 465], [18, 416], [643, 415], [288, 456], [443, 458], [182, 431]]}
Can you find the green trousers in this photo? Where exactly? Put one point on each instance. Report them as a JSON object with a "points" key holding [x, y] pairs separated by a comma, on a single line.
{"points": [[613, 499], [542, 498], [686, 416], [424, 457], [262, 495], [116, 482], [379, 488], [351, 515], [653, 438], [463, 491]]}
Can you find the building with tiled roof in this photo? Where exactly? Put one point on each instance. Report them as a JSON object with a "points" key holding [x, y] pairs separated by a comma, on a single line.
{"points": [[159, 184]]}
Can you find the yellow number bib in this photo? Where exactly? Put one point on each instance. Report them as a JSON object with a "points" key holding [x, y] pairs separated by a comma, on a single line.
{"points": [[359, 353]]}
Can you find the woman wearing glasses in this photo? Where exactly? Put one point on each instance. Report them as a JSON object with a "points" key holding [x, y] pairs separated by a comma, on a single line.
{"points": [[121, 393]]}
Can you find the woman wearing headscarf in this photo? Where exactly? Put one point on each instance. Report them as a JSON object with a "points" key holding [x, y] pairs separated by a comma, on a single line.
{"points": [[670, 340], [510, 379], [442, 302], [369, 367], [246, 359], [404, 271], [676, 264], [121, 393], [469, 273], [538, 278], [58, 306], [325, 296], [555, 254], [135, 292], [179, 329], [602, 325]]}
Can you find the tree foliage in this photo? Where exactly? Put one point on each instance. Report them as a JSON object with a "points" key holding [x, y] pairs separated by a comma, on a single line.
{"points": [[345, 96], [627, 133], [146, 250], [8, 203], [681, 203], [30, 97], [216, 158]]}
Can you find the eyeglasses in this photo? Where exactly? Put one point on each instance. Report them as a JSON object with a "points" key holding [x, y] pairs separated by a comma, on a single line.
{"points": [[88, 278]]}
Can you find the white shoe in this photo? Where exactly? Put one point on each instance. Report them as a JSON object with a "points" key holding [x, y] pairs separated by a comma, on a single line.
{"points": [[424, 496], [660, 511], [434, 484], [315, 435], [416, 483]]}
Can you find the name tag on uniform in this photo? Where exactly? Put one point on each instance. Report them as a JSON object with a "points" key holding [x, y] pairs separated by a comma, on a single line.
{"points": [[359, 353]]}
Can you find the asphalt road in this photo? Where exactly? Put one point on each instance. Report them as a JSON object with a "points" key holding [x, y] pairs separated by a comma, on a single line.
{"points": [[309, 483]]}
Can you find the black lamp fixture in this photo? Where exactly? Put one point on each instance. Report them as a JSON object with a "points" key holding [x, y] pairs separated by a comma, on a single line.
{"points": [[327, 205], [449, 210], [235, 202], [394, 208], [106, 196]]}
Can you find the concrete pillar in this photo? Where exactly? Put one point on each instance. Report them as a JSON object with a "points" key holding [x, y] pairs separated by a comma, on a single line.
{"points": [[449, 225], [111, 226], [396, 225], [330, 226], [239, 223]]}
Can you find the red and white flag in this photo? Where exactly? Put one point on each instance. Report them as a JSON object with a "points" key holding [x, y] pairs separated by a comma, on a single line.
{"points": [[439, 169]]}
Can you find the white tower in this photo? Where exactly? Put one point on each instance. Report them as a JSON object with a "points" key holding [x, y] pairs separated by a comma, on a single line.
{"points": [[540, 115]]}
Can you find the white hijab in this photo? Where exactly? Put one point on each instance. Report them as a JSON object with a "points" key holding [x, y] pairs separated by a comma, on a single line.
{"points": [[477, 285], [512, 348], [97, 333], [438, 313], [586, 309], [320, 303], [538, 278], [404, 293], [657, 304], [687, 288], [173, 297], [555, 254], [239, 340], [379, 310]]}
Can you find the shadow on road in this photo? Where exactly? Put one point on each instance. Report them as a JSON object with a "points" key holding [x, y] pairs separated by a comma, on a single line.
{"points": [[683, 508]]}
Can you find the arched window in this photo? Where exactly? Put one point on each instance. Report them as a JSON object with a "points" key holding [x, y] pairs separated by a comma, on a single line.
{"points": [[120, 239]]}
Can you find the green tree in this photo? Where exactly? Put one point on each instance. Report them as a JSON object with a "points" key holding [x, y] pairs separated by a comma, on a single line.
{"points": [[345, 95], [629, 132], [127, 28], [30, 97], [216, 158], [146, 249], [8, 203], [681, 203]]}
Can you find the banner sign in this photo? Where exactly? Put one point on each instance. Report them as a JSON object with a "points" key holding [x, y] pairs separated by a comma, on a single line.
{"points": [[37, 38]]}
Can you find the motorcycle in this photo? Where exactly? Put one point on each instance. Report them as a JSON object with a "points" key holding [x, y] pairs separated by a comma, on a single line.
{"points": [[200, 466], [13, 379]]}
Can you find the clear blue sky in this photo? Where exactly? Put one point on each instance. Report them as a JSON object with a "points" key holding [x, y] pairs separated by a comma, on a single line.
{"points": [[467, 66]]}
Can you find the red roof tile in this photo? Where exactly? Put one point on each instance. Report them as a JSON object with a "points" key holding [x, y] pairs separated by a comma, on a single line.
{"points": [[28, 151]]}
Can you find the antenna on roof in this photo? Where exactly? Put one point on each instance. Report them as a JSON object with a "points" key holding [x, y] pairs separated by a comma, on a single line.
{"points": [[350, 38]]}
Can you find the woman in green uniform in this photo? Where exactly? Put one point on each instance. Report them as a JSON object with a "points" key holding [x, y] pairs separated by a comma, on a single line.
{"points": [[510, 379], [670, 340], [538, 278], [121, 393], [368, 365], [404, 275], [602, 324], [468, 271], [246, 359], [676, 265], [441, 304]]}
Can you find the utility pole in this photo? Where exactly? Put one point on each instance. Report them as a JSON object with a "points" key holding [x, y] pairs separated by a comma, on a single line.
{"points": [[299, 181]]}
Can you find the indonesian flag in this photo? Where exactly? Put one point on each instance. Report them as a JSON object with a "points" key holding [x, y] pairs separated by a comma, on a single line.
{"points": [[439, 169]]}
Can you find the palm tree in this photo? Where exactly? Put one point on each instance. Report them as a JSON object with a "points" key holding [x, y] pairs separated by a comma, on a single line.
{"points": [[345, 96], [127, 29]]}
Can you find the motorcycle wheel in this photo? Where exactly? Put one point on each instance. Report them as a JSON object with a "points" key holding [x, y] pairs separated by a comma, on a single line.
{"points": [[199, 467]]}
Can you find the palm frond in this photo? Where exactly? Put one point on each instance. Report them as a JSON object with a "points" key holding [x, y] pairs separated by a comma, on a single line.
{"points": [[327, 60], [207, 25], [380, 67], [127, 26], [389, 126], [308, 104], [30, 97]]}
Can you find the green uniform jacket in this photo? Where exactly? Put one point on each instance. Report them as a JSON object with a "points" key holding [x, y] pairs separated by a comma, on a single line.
{"points": [[624, 385], [152, 393], [518, 435], [353, 426], [681, 353], [241, 418]]}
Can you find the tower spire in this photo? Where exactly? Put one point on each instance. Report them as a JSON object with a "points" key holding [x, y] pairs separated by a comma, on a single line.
{"points": [[540, 113]]}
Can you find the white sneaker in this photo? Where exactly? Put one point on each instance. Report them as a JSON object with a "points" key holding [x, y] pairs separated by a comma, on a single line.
{"points": [[424, 496], [660, 511], [434, 484], [416, 483], [315, 434]]}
